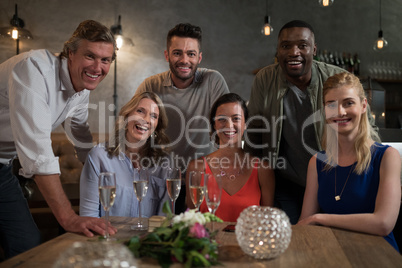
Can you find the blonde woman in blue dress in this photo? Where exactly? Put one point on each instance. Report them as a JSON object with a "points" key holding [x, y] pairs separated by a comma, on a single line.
{"points": [[355, 183]]}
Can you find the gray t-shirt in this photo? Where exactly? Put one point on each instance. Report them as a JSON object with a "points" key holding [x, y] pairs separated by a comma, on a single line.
{"points": [[188, 111], [297, 108]]}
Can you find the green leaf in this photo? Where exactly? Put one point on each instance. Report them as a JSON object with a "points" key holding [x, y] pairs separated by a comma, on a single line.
{"points": [[134, 246], [211, 217], [166, 209], [163, 231], [198, 260], [179, 254]]}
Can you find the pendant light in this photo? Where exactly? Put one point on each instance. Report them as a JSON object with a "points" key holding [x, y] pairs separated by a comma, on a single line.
{"points": [[118, 34], [16, 31], [325, 3], [121, 41], [380, 44], [267, 28]]}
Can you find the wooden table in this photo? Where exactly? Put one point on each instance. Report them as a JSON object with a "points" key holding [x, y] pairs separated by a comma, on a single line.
{"points": [[311, 246]]}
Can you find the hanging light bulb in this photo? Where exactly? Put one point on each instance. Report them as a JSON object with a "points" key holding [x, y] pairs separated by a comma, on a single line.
{"points": [[16, 31], [14, 34], [380, 44], [325, 3], [266, 28], [118, 34], [119, 41]]}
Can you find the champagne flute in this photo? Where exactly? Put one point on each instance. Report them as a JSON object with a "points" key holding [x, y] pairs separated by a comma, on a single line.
{"points": [[107, 194], [140, 184], [197, 189], [213, 192], [173, 184]]}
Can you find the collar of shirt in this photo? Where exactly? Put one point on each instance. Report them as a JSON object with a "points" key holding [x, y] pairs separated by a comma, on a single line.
{"points": [[65, 79]]}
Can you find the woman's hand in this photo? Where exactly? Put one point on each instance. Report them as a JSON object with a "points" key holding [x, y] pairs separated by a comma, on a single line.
{"points": [[310, 220]]}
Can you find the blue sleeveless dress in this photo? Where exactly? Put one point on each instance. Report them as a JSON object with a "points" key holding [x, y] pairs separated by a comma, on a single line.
{"points": [[360, 192]]}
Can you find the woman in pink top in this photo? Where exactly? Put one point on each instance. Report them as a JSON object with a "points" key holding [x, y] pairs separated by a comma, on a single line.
{"points": [[246, 180]]}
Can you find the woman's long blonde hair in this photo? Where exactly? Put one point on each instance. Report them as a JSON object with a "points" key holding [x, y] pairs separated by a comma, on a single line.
{"points": [[158, 138], [366, 133]]}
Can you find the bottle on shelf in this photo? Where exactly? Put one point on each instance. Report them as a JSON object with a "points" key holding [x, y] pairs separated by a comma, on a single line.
{"points": [[336, 59], [345, 61], [356, 64], [351, 66]]}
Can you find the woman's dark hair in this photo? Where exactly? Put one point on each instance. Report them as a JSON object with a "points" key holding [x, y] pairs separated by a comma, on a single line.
{"points": [[227, 98]]}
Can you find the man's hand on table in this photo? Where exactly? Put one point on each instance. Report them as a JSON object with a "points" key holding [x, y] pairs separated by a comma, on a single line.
{"points": [[88, 226], [52, 190]]}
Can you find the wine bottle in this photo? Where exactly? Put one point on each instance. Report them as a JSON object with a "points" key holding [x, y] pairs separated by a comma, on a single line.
{"points": [[351, 67], [357, 64]]}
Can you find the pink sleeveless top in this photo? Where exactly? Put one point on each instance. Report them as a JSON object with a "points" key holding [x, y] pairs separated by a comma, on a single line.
{"points": [[232, 205]]}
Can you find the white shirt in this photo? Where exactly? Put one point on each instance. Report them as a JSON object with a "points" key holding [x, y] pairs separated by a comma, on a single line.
{"points": [[36, 96]]}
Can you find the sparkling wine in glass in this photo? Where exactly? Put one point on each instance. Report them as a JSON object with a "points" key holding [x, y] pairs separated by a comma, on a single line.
{"points": [[196, 186], [213, 192], [107, 194], [173, 184], [140, 184]]}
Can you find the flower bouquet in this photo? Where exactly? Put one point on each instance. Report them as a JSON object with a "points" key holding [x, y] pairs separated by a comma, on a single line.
{"points": [[182, 238]]}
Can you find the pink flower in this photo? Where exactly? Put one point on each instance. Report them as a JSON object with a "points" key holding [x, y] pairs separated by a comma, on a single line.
{"points": [[198, 231]]}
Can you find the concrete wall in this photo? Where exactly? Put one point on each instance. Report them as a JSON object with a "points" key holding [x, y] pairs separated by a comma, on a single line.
{"points": [[232, 40]]}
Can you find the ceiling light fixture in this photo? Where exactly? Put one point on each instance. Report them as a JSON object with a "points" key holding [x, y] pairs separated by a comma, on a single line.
{"points": [[325, 3], [380, 43], [118, 34], [16, 31], [267, 28], [120, 42]]}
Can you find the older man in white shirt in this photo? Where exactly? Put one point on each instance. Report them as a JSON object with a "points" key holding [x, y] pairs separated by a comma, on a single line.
{"points": [[38, 92]]}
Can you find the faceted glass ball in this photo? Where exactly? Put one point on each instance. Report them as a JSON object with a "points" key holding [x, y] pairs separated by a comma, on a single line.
{"points": [[263, 232], [96, 254]]}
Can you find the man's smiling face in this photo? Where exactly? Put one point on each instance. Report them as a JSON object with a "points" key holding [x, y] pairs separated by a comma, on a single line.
{"points": [[90, 64], [183, 56], [295, 51]]}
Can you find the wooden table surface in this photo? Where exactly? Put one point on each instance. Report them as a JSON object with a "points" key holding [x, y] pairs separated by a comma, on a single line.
{"points": [[311, 246]]}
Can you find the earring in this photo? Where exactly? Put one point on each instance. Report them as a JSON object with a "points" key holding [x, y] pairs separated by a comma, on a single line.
{"points": [[154, 135]]}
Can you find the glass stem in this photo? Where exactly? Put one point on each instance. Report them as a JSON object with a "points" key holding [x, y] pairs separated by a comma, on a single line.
{"points": [[173, 205], [107, 224], [139, 212]]}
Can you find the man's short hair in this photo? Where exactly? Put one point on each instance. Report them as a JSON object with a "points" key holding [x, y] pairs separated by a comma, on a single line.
{"points": [[185, 30], [296, 23], [92, 31]]}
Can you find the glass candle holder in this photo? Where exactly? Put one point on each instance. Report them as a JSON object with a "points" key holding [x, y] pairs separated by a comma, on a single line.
{"points": [[96, 254], [263, 232]]}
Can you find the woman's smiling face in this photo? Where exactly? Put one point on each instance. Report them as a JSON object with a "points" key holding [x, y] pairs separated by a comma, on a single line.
{"points": [[229, 123], [343, 109], [142, 121]]}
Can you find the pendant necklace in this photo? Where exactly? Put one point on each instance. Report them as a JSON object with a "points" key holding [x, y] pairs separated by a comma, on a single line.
{"points": [[231, 177], [338, 197]]}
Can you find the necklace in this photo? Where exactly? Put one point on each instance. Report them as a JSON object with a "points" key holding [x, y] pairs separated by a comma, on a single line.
{"points": [[338, 197], [231, 177]]}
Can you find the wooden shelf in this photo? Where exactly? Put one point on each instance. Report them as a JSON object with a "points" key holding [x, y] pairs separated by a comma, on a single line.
{"points": [[390, 81]]}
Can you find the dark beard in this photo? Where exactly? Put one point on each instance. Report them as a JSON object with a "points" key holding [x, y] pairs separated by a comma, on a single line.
{"points": [[190, 76]]}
